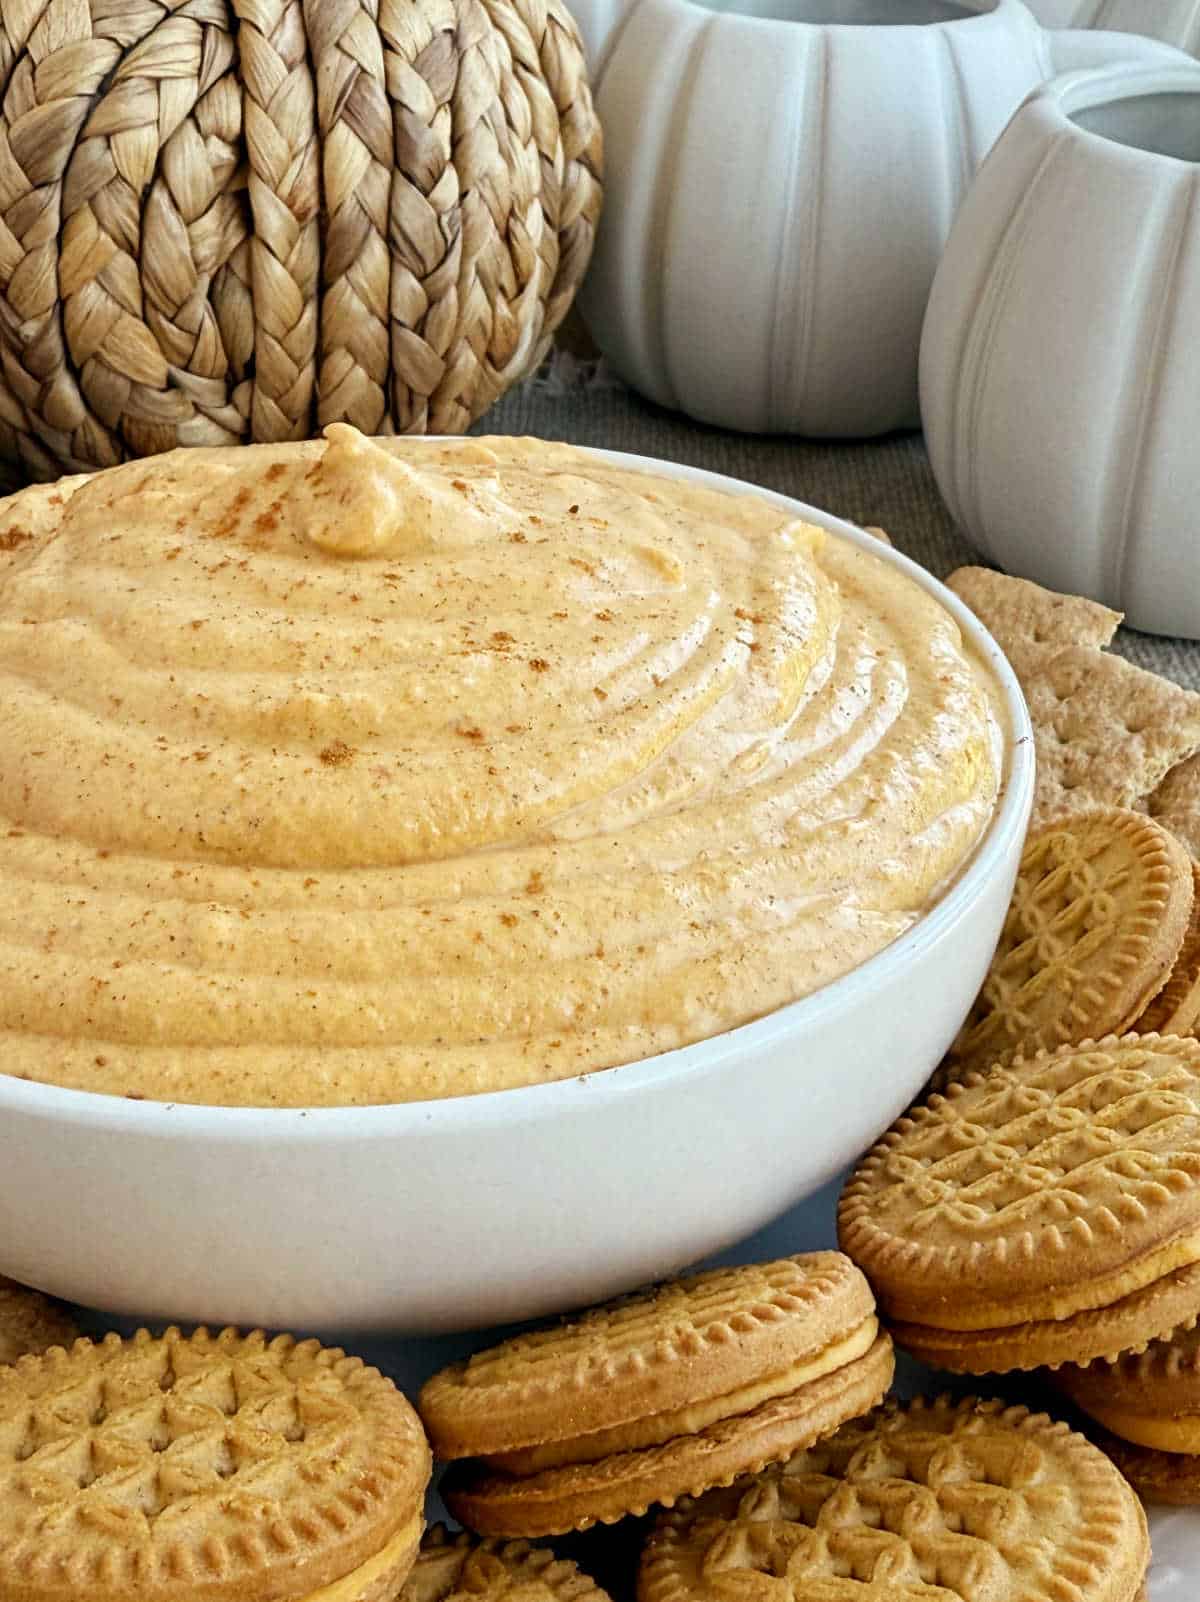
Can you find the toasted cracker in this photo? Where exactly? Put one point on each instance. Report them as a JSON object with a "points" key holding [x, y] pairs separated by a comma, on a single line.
{"points": [[1107, 733], [1020, 615], [1176, 803]]}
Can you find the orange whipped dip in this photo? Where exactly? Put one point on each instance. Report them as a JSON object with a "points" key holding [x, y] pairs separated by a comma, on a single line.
{"points": [[359, 772]]}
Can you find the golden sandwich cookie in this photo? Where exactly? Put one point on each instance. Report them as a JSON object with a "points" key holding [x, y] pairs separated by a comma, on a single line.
{"points": [[657, 1395], [1098, 916], [1176, 1008], [30, 1322], [206, 1468], [1148, 1406], [463, 1566], [1045, 1212], [936, 1501]]}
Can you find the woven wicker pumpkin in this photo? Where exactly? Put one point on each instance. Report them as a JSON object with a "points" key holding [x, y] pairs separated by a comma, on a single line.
{"points": [[229, 220]]}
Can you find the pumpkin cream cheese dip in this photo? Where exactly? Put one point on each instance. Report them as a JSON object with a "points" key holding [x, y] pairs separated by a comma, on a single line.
{"points": [[359, 772]]}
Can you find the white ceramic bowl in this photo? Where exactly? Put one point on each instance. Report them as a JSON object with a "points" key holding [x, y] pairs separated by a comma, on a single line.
{"points": [[464, 1213]]}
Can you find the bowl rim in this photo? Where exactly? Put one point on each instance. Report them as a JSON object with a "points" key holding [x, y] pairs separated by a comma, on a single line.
{"points": [[499, 1109]]}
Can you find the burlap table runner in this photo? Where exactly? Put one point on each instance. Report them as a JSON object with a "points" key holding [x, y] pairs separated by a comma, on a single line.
{"points": [[887, 482]]}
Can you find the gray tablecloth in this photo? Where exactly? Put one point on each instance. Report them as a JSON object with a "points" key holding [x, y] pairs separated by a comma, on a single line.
{"points": [[886, 482]]}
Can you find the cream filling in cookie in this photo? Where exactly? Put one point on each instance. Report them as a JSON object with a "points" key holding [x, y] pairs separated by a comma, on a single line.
{"points": [[661, 1427], [1064, 1303], [377, 1578], [1180, 1435]]}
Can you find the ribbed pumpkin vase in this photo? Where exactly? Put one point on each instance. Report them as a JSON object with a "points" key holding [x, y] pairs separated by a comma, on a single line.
{"points": [[235, 220], [782, 176], [1175, 22], [1060, 361]]}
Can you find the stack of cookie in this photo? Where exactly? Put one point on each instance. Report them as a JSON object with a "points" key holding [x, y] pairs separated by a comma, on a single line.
{"points": [[1098, 939], [229, 1468], [1103, 935], [657, 1396], [1042, 1207], [742, 1402], [1064, 1134], [1047, 1213], [1043, 1212], [1145, 1408]]}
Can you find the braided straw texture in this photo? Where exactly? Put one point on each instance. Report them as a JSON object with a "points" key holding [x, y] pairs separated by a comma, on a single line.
{"points": [[229, 220]]}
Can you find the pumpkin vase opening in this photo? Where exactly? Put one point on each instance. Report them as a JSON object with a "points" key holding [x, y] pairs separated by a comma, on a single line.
{"points": [[1160, 124]]}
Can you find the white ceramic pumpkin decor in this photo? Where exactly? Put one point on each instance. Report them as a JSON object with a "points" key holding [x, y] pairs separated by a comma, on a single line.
{"points": [[1176, 22], [1060, 364], [781, 176]]}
